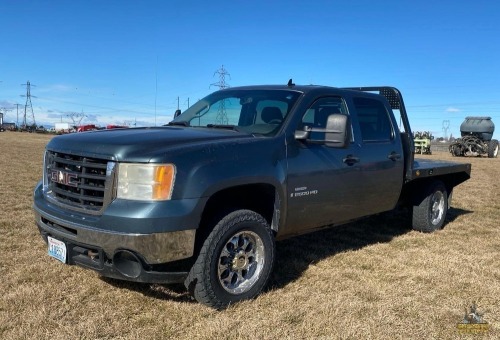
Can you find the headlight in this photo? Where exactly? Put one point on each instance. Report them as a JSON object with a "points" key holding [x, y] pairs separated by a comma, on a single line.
{"points": [[145, 182]]}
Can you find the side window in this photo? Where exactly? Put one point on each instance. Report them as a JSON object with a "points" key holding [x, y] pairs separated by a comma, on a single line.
{"points": [[374, 120], [317, 115]]}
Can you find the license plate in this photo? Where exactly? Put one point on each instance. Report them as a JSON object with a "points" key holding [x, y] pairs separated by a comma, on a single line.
{"points": [[57, 249]]}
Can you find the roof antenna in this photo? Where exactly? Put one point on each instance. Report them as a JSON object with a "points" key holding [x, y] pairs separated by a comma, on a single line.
{"points": [[290, 83]]}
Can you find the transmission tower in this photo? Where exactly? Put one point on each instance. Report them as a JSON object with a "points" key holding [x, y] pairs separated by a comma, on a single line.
{"points": [[76, 117], [221, 84], [28, 107], [446, 127]]}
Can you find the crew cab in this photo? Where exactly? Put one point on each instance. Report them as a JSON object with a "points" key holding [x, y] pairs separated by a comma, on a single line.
{"points": [[203, 199]]}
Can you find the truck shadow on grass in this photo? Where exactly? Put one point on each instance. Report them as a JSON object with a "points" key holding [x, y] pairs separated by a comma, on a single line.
{"points": [[295, 255], [174, 292]]}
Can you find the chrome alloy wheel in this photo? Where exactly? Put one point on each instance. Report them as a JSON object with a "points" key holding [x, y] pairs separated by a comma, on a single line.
{"points": [[241, 262], [437, 207]]}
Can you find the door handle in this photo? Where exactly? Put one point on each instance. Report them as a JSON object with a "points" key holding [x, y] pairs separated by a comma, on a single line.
{"points": [[350, 160], [394, 156]]}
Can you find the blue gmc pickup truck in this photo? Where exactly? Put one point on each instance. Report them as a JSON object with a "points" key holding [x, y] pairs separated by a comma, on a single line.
{"points": [[203, 199]]}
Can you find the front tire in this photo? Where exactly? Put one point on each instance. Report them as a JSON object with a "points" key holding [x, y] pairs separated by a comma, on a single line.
{"points": [[235, 261], [430, 214]]}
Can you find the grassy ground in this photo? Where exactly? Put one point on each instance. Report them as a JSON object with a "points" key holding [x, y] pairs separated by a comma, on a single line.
{"points": [[373, 279]]}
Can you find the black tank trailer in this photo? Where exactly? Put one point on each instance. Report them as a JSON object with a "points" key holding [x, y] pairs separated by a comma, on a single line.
{"points": [[477, 138]]}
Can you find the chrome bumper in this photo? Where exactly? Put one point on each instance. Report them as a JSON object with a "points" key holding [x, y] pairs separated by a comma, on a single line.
{"points": [[154, 248]]}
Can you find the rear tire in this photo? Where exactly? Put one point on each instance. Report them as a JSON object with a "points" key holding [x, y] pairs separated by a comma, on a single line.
{"points": [[235, 261], [430, 214], [493, 148]]}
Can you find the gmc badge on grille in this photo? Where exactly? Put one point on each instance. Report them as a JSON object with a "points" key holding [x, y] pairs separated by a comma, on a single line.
{"points": [[63, 177]]}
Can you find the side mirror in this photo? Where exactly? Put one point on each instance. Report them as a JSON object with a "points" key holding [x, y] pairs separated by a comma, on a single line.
{"points": [[337, 133], [177, 113]]}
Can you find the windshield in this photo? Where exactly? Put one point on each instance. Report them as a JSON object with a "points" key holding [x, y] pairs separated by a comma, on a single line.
{"points": [[252, 111]]}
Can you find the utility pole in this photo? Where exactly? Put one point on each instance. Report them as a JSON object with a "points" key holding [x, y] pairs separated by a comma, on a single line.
{"points": [[446, 127], [17, 120], [1, 119], [221, 84], [28, 106], [156, 84]]}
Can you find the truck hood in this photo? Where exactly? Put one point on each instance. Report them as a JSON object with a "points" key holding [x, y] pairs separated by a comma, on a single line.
{"points": [[140, 144]]}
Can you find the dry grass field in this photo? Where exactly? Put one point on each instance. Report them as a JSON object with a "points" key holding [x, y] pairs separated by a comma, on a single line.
{"points": [[373, 279]]}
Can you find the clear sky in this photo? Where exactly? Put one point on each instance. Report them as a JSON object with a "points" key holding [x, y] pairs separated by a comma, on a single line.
{"points": [[128, 61]]}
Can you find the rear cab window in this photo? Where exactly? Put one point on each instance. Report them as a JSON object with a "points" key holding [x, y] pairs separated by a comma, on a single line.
{"points": [[374, 120]]}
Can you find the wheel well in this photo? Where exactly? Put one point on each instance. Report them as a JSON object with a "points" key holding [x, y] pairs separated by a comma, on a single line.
{"points": [[416, 191], [256, 197]]}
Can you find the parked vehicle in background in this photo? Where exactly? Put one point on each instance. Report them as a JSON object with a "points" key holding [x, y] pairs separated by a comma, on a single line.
{"points": [[423, 142], [112, 126], [88, 127], [202, 200], [63, 128], [477, 138]]}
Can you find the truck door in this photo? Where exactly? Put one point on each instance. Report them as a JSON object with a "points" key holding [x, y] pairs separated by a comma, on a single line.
{"points": [[381, 154], [328, 185]]}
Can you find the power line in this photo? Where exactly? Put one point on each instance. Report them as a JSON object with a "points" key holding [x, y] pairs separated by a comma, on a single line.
{"points": [[113, 109]]}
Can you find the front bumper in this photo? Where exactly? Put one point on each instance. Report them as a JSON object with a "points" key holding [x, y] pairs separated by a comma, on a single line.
{"points": [[124, 265], [150, 235]]}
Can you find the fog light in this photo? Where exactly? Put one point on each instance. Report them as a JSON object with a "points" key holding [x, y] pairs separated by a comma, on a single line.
{"points": [[127, 263]]}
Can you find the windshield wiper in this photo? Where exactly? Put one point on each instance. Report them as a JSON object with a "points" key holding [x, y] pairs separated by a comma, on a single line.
{"points": [[223, 126], [180, 123]]}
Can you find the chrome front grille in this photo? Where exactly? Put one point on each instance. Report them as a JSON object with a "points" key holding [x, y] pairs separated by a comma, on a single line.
{"points": [[77, 182]]}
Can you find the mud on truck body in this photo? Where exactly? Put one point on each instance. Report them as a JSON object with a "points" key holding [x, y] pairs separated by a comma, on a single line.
{"points": [[203, 199]]}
